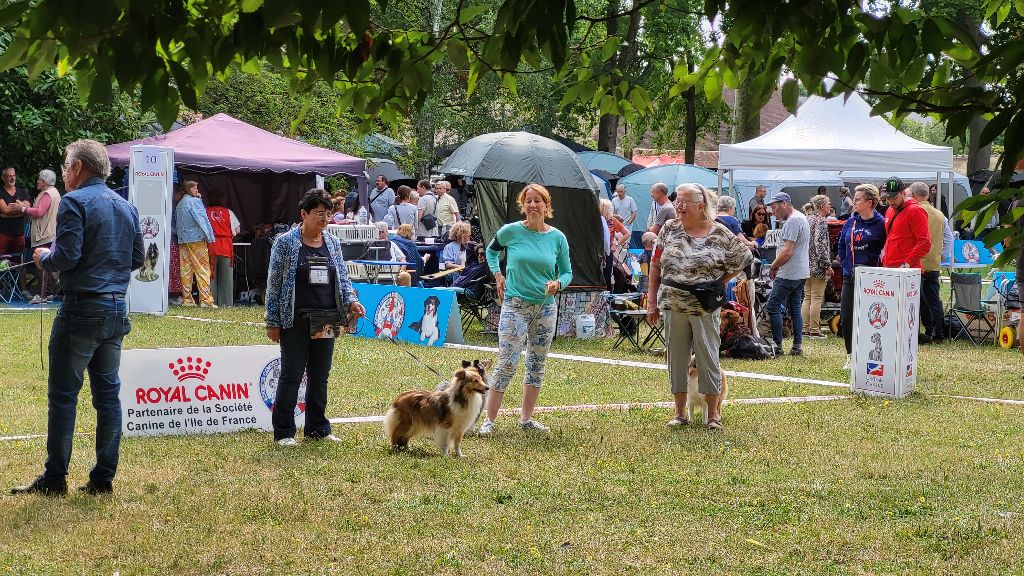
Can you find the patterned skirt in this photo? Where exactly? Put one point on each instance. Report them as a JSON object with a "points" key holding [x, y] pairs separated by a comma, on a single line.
{"points": [[175, 274]]}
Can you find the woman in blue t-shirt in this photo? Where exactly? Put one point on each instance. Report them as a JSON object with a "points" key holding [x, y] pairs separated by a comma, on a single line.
{"points": [[860, 244], [537, 267]]}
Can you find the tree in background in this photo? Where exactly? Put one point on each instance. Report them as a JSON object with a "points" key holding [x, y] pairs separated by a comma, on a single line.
{"points": [[262, 97], [39, 117]]}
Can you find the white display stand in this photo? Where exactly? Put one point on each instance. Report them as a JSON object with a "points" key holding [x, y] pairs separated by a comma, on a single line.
{"points": [[886, 306], [150, 188]]}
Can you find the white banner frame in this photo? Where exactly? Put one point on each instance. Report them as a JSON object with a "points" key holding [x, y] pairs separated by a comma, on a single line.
{"points": [[150, 190]]}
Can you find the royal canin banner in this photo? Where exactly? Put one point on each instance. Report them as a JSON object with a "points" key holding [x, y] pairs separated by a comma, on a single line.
{"points": [[201, 390]]}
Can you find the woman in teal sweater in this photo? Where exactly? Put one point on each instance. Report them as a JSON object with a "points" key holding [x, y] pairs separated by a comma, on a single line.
{"points": [[537, 264]]}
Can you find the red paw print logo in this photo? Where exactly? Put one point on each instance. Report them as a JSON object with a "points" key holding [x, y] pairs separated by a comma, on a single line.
{"points": [[879, 284], [189, 367]]}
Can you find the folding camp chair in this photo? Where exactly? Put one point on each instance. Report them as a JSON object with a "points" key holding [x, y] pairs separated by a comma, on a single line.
{"points": [[474, 307], [10, 274], [967, 307]]}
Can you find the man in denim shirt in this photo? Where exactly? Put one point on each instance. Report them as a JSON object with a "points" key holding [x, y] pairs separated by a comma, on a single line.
{"points": [[98, 245]]}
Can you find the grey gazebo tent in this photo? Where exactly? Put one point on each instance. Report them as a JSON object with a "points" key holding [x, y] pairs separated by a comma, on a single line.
{"points": [[502, 163]]}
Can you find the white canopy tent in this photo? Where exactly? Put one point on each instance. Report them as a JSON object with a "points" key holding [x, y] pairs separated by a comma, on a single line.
{"points": [[800, 184], [835, 134]]}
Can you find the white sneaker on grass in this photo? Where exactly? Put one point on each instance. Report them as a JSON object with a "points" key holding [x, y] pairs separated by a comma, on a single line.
{"points": [[848, 363], [534, 426], [486, 428], [287, 442]]}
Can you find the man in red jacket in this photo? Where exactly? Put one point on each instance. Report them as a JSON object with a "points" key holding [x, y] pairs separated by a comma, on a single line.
{"points": [[907, 238]]}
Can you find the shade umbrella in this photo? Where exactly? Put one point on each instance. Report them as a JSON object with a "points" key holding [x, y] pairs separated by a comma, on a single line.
{"points": [[386, 168], [519, 157]]}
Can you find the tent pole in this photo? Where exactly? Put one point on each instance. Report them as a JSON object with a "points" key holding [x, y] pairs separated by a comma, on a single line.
{"points": [[719, 171]]}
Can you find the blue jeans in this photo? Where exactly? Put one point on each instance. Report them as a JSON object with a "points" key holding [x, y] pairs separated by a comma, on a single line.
{"points": [[86, 335], [788, 293]]}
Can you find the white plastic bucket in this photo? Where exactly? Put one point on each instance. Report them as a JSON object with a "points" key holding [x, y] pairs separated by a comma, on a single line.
{"points": [[585, 326]]}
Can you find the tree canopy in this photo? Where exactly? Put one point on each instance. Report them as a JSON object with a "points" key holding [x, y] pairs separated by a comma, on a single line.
{"points": [[934, 57]]}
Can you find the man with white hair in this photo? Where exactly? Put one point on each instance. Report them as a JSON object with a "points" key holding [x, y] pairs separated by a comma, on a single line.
{"points": [[662, 209], [43, 217], [97, 246], [624, 206], [941, 239]]}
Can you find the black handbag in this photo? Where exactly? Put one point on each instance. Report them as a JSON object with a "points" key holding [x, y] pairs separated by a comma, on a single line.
{"points": [[710, 295]]}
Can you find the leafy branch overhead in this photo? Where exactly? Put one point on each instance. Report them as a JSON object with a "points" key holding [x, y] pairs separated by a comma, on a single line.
{"points": [[906, 56], [909, 58]]}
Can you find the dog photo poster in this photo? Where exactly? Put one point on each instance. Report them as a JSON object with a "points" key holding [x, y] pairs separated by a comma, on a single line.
{"points": [[425, 316], [150, 187]]}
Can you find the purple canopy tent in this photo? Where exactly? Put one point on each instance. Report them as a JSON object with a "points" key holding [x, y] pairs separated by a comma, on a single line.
{"points": [[264, 175]]}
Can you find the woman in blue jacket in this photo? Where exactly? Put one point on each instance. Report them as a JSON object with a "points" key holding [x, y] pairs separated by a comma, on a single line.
{"points": [[860, 244], [307, 289]]}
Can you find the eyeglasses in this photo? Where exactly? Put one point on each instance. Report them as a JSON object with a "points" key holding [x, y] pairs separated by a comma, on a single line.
{"points": [[321, 214]]}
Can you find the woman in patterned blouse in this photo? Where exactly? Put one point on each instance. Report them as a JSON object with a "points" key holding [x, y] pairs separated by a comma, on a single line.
{"points": [[820, 259], [692, 249]]}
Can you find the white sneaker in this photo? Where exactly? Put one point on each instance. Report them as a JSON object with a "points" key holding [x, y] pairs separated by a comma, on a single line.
{"points": [[533, 425], [848, 362], [331, 438], [37, 300], [287, 442], [486, 428]]}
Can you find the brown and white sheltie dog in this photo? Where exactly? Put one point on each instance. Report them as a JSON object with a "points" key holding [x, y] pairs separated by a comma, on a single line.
{"points": [[693, 395], [444, 415]]}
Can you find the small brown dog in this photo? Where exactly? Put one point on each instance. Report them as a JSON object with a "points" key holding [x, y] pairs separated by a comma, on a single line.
{"points": [[693, 396], [444, 415]]}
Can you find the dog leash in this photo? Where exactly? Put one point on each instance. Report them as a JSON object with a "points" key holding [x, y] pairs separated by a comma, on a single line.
{"points": [[402, 348]]}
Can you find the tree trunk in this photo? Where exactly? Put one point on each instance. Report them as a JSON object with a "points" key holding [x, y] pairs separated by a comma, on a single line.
{"points": [[978, 157], [608, 133], [608, 127], [747, 118], [690, 142]]}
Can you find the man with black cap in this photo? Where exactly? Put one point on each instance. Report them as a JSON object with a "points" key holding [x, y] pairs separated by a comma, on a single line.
{"points": [[790, 270], [907, 238]]}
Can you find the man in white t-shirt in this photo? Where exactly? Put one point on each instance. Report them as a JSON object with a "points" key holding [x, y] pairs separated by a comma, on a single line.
{"points": [[789, 271], [662, 209], [624, 206], [427, 204]]}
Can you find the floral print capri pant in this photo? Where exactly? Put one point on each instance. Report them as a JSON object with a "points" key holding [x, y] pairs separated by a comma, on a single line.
{"points": [[524, 325]]}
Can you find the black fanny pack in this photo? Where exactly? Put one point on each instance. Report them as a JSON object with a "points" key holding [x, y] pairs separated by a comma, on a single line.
{"points": [[324, 323], [710, 295]]}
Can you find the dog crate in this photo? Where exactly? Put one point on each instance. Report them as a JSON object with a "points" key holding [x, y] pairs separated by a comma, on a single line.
{"points": [[356, 272], [353, 233]]}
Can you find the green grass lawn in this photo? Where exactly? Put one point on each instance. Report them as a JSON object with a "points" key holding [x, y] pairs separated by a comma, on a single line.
{"points": [[923, 485]]}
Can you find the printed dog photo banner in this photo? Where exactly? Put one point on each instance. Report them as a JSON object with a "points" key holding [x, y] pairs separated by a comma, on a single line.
{"points": [[201, 390], [150, 190], [425, 316], [886, 311], [971, 254]]}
